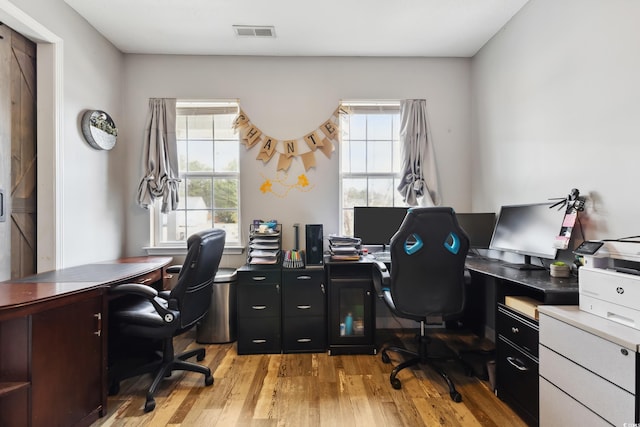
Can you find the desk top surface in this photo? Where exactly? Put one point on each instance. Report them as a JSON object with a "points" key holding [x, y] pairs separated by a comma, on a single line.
{"points": [[52, 284], [540, 280]]}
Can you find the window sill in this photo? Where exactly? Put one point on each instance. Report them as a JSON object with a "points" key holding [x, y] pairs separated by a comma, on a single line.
{"points": [[182, 250]]}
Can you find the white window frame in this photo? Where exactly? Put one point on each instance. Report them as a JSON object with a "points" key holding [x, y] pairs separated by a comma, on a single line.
{"points": [[370, 107], [160, 247]]}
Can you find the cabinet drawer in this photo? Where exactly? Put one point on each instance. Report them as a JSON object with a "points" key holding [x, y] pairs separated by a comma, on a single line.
{"points": [[611, 361], [517, 377], [258, 300], [518, 329], [306, 299], [302, 276], [256, 336], [300, 334], [604, 398], [558, 409], [262, 276]]}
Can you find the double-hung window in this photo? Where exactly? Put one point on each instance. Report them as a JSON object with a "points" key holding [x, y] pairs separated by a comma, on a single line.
{"points": [[209, 170], [370, 160]]}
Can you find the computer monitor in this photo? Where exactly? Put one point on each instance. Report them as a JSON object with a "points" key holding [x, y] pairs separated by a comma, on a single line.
{"points": [[376, 225], [529, 230], [479, 228]]}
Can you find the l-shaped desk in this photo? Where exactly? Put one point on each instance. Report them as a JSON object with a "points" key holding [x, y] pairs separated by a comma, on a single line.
{"points": [[516, 334], [53, 342]]}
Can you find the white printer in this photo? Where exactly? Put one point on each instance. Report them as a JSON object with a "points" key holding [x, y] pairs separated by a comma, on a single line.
{"points": [[609, 282]]}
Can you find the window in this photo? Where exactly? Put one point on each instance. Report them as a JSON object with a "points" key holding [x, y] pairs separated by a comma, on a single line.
{"points": [[370, 160], [208, 157]]}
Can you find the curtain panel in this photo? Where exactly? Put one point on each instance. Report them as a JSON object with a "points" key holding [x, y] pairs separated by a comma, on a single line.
{"points": [[160, 157], [419, 180]]}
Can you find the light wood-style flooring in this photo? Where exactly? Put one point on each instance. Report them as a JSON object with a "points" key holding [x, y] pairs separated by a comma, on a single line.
{"points": [[310, 389]]}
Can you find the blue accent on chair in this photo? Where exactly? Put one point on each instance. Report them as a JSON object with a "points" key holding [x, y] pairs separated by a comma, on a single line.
{"points": [[412, 248], [454, 246]]}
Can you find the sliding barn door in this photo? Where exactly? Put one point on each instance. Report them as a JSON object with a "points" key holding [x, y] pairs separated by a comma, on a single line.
{"points": [[18, 63]]}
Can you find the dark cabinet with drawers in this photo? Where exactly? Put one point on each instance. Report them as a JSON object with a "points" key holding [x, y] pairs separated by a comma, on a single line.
{"points": [[281, 310], [517, 362], [303, 310], [259, 290]]}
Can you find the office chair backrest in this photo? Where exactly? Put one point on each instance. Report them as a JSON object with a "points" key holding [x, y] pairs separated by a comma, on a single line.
{"points": [[194, 287], [428, 254]]}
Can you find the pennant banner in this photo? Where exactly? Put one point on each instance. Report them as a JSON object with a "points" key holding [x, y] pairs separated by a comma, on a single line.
{"points": [[320, 139]]}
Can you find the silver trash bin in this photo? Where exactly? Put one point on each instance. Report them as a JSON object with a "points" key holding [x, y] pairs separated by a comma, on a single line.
{"points": [[219, 325]]}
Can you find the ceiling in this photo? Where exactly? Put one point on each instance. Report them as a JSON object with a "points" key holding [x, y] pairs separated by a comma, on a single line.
{"points": [[410, 28]]}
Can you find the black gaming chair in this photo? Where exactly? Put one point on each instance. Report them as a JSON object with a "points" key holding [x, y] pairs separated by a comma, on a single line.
{"points": [[427, 280], [148, 314]]}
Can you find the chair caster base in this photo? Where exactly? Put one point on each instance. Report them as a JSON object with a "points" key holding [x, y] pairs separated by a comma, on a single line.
{"points": [[149, 405], [395, 383], [208, 380], [455, 396], [385, 358]]}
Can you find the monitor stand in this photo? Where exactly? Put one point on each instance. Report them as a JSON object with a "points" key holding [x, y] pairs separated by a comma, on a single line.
{"points": [[526, 266]]}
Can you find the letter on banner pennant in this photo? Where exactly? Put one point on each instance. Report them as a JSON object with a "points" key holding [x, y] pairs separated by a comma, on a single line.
{"points": [[308, 160], [284, 162], [252, 136], [268, 149], [241, 120], [291, 148], [313, 141], [330, 129]]}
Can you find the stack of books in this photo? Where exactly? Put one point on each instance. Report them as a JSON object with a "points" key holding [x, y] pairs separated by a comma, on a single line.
{"points": [[344, 248]]}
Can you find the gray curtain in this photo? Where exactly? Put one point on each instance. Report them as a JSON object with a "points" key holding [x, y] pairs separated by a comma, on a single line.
{"points": [[419, 183], [160, 158]]}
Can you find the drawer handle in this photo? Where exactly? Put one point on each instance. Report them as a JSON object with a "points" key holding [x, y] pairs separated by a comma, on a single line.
{"points": [[259, 278], [304, 339], [258, 307], [258, 341], [304, 277], [515, 330], [517, 363], [304, 307]]}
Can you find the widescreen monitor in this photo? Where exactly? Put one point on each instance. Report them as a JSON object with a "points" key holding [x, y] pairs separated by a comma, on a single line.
{"points": [[376, 225], [479, 227], [529, 230]]}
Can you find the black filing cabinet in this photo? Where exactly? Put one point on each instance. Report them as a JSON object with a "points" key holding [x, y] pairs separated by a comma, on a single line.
{"points": [[303, 310], [259, 307], [517, 362]]}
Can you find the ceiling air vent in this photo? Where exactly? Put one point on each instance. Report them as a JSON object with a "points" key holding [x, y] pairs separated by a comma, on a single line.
{"points": [[254, 31]]}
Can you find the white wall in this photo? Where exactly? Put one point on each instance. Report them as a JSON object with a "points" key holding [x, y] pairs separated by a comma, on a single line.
{"points": [[89, 196], [556, 106], [287, 97]]}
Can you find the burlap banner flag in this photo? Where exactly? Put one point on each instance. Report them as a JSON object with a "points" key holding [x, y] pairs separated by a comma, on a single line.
{"points": [[320, 139]]}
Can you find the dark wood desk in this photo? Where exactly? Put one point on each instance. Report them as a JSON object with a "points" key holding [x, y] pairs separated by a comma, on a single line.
{"points": [[516, 334], [53, 341]]}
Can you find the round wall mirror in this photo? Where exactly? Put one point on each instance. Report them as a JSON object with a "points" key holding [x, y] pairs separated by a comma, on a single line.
{"points": [[99, 130]]}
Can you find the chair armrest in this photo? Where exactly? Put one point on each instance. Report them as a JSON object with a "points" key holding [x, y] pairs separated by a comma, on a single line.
{"points": [[174, 269], [381, 278], [146, 292]]}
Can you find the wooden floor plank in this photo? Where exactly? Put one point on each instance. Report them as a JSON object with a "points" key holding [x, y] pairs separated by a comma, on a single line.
{"points": [[310, 390]]}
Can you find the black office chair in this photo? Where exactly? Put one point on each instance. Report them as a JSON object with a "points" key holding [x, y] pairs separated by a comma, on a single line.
{"points": [[145, 313], [427, 280]]}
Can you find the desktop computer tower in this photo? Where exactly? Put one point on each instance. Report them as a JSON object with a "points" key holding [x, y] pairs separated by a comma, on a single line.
{"points": [[314, 244]]}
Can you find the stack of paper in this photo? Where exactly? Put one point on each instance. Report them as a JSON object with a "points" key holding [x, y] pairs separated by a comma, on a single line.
{"points": [[264, 248], [344, 248]]}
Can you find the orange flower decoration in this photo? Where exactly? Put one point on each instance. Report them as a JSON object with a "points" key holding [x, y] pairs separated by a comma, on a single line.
{"points": [[266, 187], [303, 181]]}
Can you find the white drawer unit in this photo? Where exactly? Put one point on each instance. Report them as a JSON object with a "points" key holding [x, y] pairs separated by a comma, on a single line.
{"points": [[588, 369]]}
